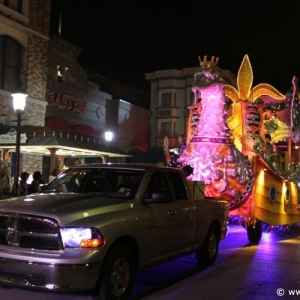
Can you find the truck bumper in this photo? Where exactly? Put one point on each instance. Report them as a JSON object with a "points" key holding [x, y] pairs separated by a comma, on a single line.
{"points": [[43, 276]]}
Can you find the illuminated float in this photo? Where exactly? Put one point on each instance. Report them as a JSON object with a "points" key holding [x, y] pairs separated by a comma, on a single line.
{"points": [[226, 146]]}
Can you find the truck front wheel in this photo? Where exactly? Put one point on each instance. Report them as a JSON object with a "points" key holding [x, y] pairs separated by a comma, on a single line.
{"points": [[118, 274], [208, 253]]}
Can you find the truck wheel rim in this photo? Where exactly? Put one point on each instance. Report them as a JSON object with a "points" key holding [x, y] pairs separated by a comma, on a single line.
{"points": [[120, 277], [212, 245]]}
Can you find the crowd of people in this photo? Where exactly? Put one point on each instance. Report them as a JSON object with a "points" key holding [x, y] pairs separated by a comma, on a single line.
{"points": [[26, 185], [24, 188]]}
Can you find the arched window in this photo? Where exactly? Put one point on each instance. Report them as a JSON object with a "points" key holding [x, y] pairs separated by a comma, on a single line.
{"points": [[10, 64]]}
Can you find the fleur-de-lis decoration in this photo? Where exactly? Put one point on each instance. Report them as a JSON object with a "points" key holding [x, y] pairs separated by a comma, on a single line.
{"points": [[246, 93]]}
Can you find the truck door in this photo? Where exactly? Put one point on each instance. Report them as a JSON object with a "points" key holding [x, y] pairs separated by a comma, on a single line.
{"points": [[185, 211], [171, 220]]}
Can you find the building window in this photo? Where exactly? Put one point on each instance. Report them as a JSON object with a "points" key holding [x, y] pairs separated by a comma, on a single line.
{"points": [[16, 5], [165, 113], [166, 99], [165, 128], [10, 64]]}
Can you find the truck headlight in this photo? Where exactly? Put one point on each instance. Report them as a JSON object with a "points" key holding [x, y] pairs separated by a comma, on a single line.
{"points": [[81, 237]]}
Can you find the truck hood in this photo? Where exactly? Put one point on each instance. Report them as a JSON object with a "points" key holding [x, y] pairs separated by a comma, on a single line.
{"points": [[64, 207]]}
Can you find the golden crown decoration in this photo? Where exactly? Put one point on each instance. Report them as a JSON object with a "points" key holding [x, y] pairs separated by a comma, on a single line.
{"points": [[208, 64]]}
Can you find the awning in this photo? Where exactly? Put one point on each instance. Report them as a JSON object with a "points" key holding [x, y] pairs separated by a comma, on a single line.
{"points": [[58, 124], [85, 130], [62, 125], [66, 146]]}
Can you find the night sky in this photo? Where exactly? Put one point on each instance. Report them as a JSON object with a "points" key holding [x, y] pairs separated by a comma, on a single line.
{"points": [[125, 39]]}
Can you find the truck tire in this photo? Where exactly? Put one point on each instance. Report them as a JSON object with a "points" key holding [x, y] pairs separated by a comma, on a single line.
{"points": [[208, 253], [117, 276], [254, 232]]}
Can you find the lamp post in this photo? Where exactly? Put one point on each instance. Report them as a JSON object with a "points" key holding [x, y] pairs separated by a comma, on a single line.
{"points": [[19, 102], [108, 135]]}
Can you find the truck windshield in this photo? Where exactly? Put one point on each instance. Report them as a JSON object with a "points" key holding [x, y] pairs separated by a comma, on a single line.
{"points": [[105, 182]]}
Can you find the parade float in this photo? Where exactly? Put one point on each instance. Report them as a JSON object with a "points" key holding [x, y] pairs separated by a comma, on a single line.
{"points": [[226, 147]]}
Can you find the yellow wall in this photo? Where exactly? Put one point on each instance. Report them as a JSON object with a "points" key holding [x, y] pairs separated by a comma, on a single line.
{"points": [[280, 211]]}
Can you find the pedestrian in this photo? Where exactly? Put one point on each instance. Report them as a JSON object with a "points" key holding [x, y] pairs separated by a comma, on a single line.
{"points": [[5, 186], [268, 147], [36, 183], [23, 186], [56, 171]]}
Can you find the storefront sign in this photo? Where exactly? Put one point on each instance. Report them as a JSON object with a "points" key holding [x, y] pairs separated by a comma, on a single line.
{"points": [[12, 138], [66, 102]]}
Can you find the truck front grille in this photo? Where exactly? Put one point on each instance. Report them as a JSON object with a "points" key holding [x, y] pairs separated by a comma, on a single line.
{"points": [[29, 232]]}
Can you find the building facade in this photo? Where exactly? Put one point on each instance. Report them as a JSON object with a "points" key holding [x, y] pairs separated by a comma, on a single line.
{"points": [[170, 98], [61, 99], [24, 36], [83, 103]]}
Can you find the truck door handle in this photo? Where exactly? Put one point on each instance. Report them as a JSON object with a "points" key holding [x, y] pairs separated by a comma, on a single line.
{"points": [[172, 212], [190, 209]]}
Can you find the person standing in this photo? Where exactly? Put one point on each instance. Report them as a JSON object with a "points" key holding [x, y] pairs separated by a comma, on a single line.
{"points": [[36, 182], [5, 186], [55, 172], [23, 185]]}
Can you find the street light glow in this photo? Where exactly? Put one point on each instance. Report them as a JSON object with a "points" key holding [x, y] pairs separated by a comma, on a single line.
{"points": [[19, 102], [108, 136]]}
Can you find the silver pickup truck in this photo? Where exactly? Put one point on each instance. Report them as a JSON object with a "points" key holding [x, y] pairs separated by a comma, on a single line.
{"points": [[94, 226]]}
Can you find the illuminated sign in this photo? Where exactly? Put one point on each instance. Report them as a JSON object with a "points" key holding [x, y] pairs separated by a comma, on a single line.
{"points": [[253, 120], [66, 102]]}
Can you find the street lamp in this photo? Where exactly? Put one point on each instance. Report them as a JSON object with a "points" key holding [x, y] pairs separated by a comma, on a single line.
{"points": [[19, 102], [108, 136]]}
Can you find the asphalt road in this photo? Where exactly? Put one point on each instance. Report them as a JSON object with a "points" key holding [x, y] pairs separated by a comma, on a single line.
{"points": [[270, 270]]}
